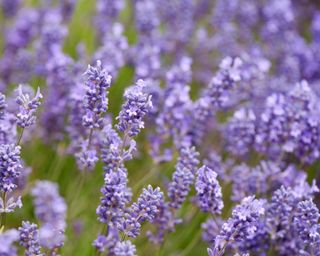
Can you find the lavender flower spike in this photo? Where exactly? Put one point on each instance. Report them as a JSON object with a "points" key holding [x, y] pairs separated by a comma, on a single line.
{"points": [[9, 166], [50, 209], [306, 218], [183, 176], [6, 242], [209, 195], [125, 248], [26, 115], [29, 238], [138, 104], [96, 97], [242, 225], [146, 208]]}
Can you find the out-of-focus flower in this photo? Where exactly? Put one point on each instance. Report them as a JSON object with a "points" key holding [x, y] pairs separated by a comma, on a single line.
{"points": [[26, 115]]}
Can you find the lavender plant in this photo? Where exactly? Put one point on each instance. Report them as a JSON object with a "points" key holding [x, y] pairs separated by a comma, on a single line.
{"points": [[216, 138]]}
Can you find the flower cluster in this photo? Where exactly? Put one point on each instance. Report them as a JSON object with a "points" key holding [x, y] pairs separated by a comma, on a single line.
{"points": [[26, 115], [50, 209], [29, 238], [209, 195], [96, 97], [138, 103]]}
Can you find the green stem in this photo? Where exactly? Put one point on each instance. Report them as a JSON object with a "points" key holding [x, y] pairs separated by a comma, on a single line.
{"points": [[20, 137], [3, 215]]}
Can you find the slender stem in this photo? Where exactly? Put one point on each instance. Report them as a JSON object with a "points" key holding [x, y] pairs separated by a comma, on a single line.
{"points": [[3, 215], [90, 138], [20, 137]]}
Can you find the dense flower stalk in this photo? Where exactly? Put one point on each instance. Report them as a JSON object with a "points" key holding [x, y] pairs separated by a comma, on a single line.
{"points": [[26, 115], [29, 238], [138, 103], [242, 224], [209, 195], [50, 209], [9, 166], [7, 240], [183, 176], [145, 209], [125, 248], [96, 97]]}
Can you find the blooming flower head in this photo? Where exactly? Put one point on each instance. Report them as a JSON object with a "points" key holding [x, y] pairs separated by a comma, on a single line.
{"points": [[137, 105], [209, 195], [9, 166], [243, 223], [50, 209], [28, 106], [7, 239], [145, 209], [29, 238], [183, 176], [125, 248], [96, 97]]}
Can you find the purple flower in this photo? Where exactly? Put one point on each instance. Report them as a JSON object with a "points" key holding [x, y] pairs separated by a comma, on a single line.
{"points": [[146, 18], [2, 105], [7, 239], [96, 98], [306, 218], [9, 166], [29, 238], [183, 176], [225, 80], [125, 248], [107, 243], [138, 104], [209, 195], [240, 132], [115, 196], [145, 209], [9, 7], [51, 236], [87, 158], [50, 209], [165, 221], [210, 229], [242, 225], [26, 115]]}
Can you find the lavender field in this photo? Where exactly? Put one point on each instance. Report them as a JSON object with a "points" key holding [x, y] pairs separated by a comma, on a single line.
{"points": [[160, 127]]}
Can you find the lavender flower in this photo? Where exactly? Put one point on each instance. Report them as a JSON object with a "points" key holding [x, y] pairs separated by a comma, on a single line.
{"points": [[145, 209], [26, 115], [107, 243], [224, 81], [183, 176], [306, 220], [240, 132], [210, 229], [115, 197], [7, 239], [137, 105], [209, 195], [242, 224], [50, 209], [10, 8], [125, 248], [29, 238], [9, 166], [95, 100], [164, 221], [2, 105], [280, 217]]}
